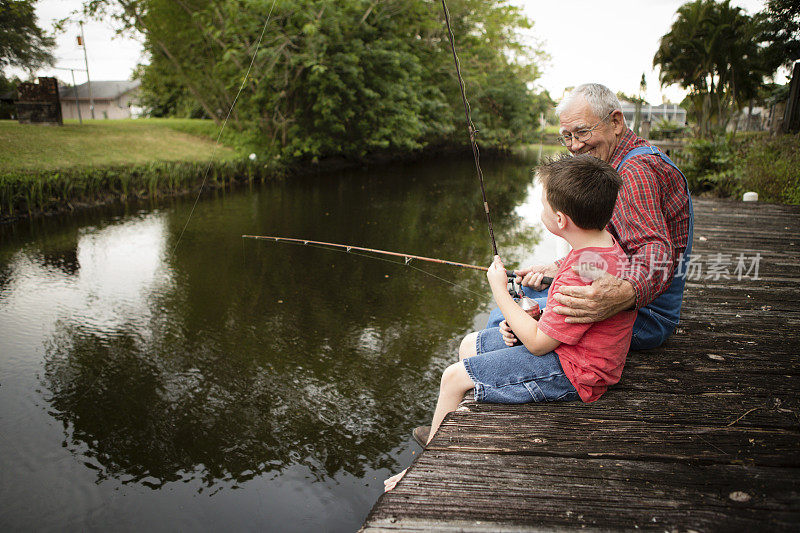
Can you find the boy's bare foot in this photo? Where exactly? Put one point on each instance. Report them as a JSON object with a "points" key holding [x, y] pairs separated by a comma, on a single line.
{"points": [[389, 484]]}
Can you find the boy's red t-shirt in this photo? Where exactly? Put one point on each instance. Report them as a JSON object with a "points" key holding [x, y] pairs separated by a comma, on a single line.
{"points": [[592, 355]]}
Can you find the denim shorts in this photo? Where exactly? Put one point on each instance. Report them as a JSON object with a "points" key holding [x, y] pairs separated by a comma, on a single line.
{"points": [[505, 374]]}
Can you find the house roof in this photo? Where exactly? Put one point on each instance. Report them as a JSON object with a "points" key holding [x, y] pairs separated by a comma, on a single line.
{"points": [[101, 90]]}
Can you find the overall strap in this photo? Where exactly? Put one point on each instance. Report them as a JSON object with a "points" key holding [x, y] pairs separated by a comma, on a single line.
{"points": [[649, 150]]}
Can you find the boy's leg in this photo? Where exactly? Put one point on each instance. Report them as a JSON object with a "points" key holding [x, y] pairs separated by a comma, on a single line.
{"points": [[503, 374], [455, 384], [467, 348]]}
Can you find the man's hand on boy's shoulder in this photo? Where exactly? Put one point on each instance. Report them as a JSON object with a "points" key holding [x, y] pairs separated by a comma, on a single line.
{"points": [[606, 296], [532, 275]]}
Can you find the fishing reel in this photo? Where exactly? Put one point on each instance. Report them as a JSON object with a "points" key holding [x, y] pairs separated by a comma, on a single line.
{"points": [[517, 292], [514, 288]]}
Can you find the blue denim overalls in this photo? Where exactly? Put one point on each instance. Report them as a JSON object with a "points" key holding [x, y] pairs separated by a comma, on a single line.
{"points": [[658, 320]]}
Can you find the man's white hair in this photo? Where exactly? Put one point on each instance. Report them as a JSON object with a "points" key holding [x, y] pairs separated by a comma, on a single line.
{"points": [[599, 97]]}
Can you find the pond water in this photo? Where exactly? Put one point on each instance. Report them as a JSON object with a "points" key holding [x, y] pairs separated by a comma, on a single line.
{"points": [[239, 384]]}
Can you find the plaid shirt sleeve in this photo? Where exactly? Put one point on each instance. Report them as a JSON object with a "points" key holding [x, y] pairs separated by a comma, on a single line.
{"points": [[640, 224]]}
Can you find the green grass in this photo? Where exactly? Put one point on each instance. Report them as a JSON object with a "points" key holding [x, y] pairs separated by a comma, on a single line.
{"points": [[552, 129], [52, 168], [105, 143]]}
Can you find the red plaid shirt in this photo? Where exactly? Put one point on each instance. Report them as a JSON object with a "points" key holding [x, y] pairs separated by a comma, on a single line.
{"points": [[650, 220]]}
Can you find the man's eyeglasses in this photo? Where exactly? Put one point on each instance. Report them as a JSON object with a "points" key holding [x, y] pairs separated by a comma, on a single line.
{"points": [[581, 135]]}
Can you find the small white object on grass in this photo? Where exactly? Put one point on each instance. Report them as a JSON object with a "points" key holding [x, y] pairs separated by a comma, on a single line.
{"points": [[252, 157], [750, 196]]}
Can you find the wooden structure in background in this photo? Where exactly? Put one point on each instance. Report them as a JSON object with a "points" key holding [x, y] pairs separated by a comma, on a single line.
{"points": [[701, 434], [38, 103]]}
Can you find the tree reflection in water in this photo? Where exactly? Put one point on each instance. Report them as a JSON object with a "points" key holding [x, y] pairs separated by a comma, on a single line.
{"points": [[288, 355]]}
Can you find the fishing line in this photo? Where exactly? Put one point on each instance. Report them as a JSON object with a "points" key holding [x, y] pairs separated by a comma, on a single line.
{"points": [[213, 153], [409, 265], [224, 123]]}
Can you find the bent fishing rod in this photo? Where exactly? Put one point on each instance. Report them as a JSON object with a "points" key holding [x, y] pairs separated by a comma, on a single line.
{"points": [[471, 131], [406, 257]]}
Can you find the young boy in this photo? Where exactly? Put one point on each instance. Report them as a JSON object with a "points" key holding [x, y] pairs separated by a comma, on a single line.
{"points": [[556, 361]]}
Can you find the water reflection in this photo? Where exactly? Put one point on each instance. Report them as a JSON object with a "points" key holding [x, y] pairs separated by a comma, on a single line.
{"points": [[227, 360]]}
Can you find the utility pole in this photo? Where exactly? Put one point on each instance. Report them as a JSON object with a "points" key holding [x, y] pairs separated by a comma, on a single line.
{"points": [[74, 90], [77, 104], [89, 81]]}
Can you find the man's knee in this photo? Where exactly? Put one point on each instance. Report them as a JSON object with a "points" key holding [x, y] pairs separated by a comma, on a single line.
{"points": [[467, 348]]}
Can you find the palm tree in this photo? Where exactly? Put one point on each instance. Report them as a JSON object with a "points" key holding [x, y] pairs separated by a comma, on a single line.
{"points": [[712, 50]]}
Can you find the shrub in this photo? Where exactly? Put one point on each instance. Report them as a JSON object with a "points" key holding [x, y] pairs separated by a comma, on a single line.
{"points": [[770, 166], [709, 167]]}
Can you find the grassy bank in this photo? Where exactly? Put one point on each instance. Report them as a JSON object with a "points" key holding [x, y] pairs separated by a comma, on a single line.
{"points": [[99, 143], [45, 168]]}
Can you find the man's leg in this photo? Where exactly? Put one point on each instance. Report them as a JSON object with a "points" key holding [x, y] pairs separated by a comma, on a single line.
{"points": [[650, 329]]}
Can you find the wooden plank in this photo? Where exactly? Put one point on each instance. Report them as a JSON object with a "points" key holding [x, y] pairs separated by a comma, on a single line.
{"points": [[717, 369], [565, 492], [708, 409], [652, 377], [557, 432], [693, 425], [728, 355]]}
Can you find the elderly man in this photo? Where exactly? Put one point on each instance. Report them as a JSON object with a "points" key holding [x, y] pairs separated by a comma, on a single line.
{"points": [[652, 221]]}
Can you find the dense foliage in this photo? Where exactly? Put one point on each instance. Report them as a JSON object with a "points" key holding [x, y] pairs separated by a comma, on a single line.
{"points": [[36, 192], [781, 29], [337, 77], [768, 165], [755, 162], [709, 167], [8, 91], [22, 42]]}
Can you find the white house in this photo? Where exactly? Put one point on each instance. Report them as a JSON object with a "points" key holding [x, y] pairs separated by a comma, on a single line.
{"points": [[654, 113], [112, 100]]}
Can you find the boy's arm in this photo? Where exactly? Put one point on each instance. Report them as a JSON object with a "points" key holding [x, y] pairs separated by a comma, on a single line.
{"points": [[524, 326]]}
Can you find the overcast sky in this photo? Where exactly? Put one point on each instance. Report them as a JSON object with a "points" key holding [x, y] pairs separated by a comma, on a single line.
{"points": [[611, 42]]}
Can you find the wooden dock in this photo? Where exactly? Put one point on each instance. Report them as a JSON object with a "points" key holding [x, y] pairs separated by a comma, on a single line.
{"points": [[701, 434]]}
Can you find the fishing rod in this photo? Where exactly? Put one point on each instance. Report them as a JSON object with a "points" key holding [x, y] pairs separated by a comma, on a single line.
{"points": [[407, 257], [471, 131]]}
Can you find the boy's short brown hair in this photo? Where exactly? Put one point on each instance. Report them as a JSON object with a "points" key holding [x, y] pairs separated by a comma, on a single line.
{"points": [[582, 187]]}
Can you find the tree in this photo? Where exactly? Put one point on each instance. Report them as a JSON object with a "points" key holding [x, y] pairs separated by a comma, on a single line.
{"points": [[713, 50], [8, 91], [22, 43], [345, 77], [781, 26]]}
